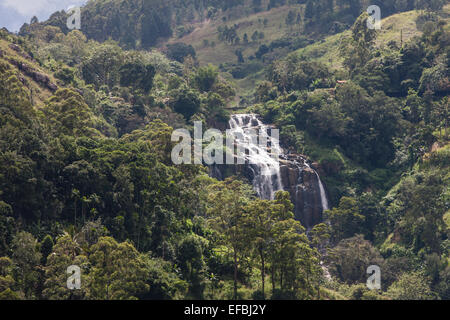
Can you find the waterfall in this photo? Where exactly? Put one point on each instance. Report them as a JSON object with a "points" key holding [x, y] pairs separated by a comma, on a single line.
{"points": [[258, 153], [323, 194], [270, 169]]}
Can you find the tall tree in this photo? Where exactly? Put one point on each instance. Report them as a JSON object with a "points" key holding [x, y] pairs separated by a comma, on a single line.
{"points": [[26, 259], [227, 217]]}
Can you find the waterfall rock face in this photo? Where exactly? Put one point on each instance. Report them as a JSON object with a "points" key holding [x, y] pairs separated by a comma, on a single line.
{"points": [[260, 150], [289, 172], [306, 189]]}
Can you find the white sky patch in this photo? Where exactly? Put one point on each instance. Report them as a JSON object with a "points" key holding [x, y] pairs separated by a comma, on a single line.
{"points": [[37, 7], [26, 9]]}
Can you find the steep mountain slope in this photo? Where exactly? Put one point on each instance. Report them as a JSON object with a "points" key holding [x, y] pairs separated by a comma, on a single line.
{"points": [[398, 27], [40, 83], [205, 37], [281, 39], [86, 151]]}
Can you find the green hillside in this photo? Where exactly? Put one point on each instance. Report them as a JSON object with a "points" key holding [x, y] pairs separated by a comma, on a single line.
{"points": [[398, 27], [91, 125], [273, 28], [39, 82]]}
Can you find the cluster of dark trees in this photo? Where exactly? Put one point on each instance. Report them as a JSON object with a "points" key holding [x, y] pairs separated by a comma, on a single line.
{"points": [[141, 24], [330, 16], [386, 86], [86, 176], [77, 187], [179, 51], [368, 128], [229, 34], [134, 23]]}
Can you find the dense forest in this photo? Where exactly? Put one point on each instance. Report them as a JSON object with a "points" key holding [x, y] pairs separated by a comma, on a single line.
{"points": [[87, 179]]}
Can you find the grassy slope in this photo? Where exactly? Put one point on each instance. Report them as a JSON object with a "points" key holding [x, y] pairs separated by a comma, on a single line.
{"points": [[224, 52], [40, 93], [249, 22], [327, 50]]}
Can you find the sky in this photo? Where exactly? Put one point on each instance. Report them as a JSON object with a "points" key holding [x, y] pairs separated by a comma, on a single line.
{"points": [[14, 13]]}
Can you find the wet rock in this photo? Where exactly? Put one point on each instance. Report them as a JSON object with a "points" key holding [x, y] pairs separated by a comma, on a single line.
{"points": [[319, 168], [297, 177], [300, 180], [302, 183]]}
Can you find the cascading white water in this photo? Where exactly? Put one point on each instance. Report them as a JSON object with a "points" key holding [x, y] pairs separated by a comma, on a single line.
{"points": [[259, 153], [323, 194], [263, 156]]}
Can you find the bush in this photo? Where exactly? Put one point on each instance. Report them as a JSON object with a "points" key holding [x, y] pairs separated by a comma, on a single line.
{"points": [[179, 51], [206, 77]]}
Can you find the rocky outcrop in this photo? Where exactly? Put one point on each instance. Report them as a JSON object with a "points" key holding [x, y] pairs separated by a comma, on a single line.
{"points": [[40, 78], [294, 174], [17, 49], [298, 178], [303, 184]]}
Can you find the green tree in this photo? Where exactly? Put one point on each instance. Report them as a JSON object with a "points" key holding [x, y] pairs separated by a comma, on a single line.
{"points": [[358, 49], [7, 282], [411, 286], [291, 256], [290, 19], [164, 281], [118, 271], [266, 222], [26, 259], [191, 262], [227, 217], [260, 227], [349, 260], [180, 51], [46, 248], [101, 67], [7, 227], [66, 252], [320, 236], [137, 75], [346, 220], [186, 102], [245, 38], [310, 10], [215, 106], [206, 77], [68, 114], [255, 36]]}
